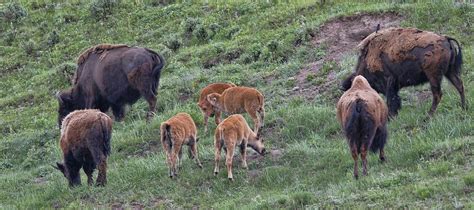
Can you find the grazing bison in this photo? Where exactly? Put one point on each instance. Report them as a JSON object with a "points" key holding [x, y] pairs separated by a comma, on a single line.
{"points": [[85, 143], [112, 76], [236, 100], [206, 108], [175, 132], [234, 131], [394, 58], [363, 116]]}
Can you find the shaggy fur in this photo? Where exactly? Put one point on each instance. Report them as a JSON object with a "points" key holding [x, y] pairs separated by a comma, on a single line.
{"points": [[363, 116], [85, 143], [238, 100], [398, 57], [178, 131], [112, 76], [234, 131], [206, 108]]}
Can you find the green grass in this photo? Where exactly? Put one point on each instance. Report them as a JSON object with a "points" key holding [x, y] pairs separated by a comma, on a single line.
{"points": [[253, 44]]}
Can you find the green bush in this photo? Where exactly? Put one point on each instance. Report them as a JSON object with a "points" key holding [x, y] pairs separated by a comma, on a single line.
{"points": [[29, 47], [53, 39], [100, 9], [13, 12], [173, 42]]}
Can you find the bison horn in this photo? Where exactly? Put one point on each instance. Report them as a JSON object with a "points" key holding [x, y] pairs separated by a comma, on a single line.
{"points": [[58, 95]]}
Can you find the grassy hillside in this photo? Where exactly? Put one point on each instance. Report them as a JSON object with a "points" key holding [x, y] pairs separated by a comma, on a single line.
{"points": [[266, 45]]}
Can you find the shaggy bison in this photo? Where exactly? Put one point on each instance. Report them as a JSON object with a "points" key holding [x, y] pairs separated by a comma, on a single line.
{"points": [[234, 131], [363, 116], [85, 143], [237, 100], [394, 58], [178, 131], [112, 76], [206, 108]]}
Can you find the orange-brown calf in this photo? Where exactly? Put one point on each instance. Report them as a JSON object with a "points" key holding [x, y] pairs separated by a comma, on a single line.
{"points": [[206, 108], [85, 143], [234, 131], [175, 132], [363, 116], [236, 100]]}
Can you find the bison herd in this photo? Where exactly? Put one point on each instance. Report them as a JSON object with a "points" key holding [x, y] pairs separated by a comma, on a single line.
{"points": [[112, 76]]}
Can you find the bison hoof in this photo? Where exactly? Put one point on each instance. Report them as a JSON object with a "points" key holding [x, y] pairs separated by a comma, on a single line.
{"points": [[200, 165], [382, 159], [356, 176], [231, 179]]}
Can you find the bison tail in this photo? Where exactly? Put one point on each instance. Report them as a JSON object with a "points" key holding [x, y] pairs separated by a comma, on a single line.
{"points": [[166, 136], [380, 139], [106, 135], [359, 124], [456, 58]]}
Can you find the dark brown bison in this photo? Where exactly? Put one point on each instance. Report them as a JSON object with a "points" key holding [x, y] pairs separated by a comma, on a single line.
{"points": [[363, 116], [112, 76], [85, 143], [394, 58]]}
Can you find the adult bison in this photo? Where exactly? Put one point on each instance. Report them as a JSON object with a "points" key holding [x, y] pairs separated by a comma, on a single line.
{"points": [[112, 76], [398, 57]]}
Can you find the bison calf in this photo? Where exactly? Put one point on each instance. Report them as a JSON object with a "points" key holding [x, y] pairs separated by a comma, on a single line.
{"points": [[234, 131], [179, 130], [85, 143], [206, 108], [236, 100], [363, 116], [394, 58]]}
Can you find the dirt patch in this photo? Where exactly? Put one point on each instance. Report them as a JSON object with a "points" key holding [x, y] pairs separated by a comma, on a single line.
{"points": [[340, 37], [274, 154], [40, 180]]}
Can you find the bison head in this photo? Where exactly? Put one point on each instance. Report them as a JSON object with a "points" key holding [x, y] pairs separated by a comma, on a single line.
{"points": [[257, 144], [213, 99], [206, 108], [72, 176], [66, 105]]}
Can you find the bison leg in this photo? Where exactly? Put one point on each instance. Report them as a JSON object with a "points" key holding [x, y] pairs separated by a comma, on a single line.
{"points": [[364, 158], [195, 154], [228, 160], [151, 99], [243, 155], [437, 94], [457, 82], [217, 117], [174, 158], [118, 111], [206, 119], [256, 120], [393, 100], [88, 168], [217, 156], [102, 176], [355, 156]]}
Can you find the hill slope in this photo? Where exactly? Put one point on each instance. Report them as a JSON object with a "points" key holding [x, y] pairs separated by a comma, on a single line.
{"points": [[278, 48]]}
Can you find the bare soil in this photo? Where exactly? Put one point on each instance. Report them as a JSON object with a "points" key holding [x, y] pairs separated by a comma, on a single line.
{"points": [[340, 36]]}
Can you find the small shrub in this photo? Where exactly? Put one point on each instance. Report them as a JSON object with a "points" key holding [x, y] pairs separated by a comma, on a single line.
{"points": [[29, 47], [156, 3], [201, 33], [173, 43], [469, 180], [13, 12], [100, 9], [189, 25], [66, 72], [233, 32], [53, 39], [302, 198]]}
